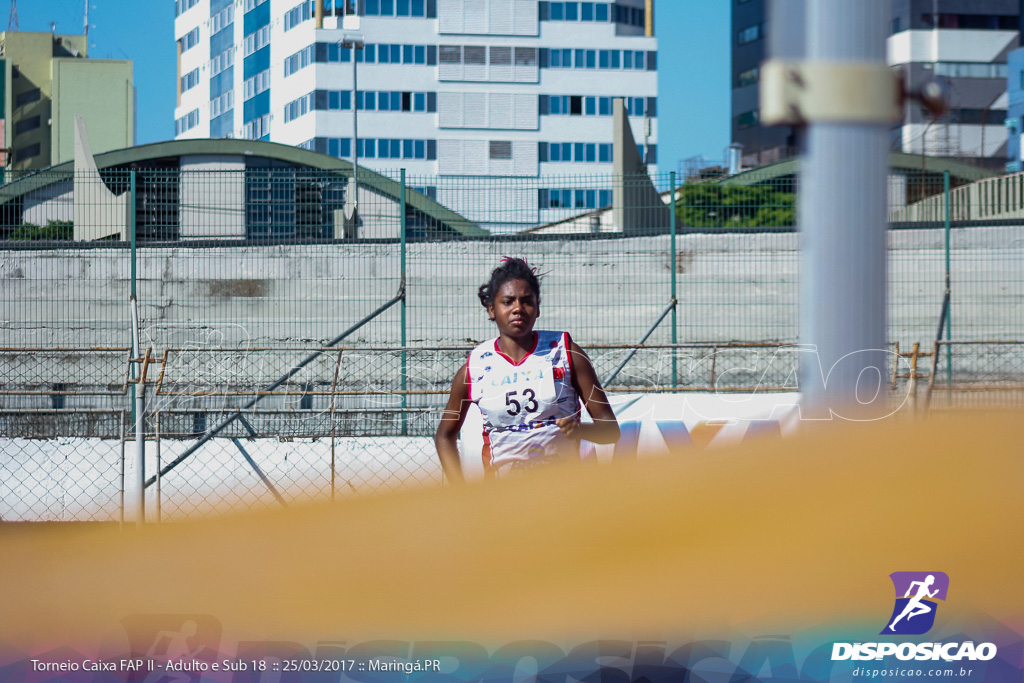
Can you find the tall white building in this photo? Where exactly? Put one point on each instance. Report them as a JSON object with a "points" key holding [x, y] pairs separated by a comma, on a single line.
{"points": [[477, 90]]}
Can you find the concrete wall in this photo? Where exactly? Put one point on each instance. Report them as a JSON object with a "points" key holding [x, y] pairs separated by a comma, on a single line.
{"points": [[605, 291]]}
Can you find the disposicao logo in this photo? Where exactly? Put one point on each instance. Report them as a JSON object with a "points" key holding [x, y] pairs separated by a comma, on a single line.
{"points": [[914, 612]]}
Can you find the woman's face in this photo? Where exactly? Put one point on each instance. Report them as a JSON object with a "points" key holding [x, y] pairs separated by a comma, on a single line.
{"points": [[515, 309]]}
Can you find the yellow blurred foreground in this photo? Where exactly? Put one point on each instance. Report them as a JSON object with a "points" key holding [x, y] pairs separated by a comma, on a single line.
{"points": [[773, 536]]}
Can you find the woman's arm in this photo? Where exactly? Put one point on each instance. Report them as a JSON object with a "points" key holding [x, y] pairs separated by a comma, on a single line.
{"points": [[446, 438], [605, 428]]}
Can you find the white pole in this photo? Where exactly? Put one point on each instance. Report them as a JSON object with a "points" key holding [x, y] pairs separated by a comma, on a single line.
{"points": [[843, 229], [138, 497]]}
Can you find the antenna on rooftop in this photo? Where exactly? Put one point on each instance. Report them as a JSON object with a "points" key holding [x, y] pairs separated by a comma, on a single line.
{"points": [[12, 23]]}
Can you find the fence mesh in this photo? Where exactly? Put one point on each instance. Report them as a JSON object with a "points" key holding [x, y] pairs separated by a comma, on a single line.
{"points": [[243, 277], [61, 465]]}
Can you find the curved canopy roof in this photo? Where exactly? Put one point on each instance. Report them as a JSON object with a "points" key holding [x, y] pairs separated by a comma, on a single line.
{"points": [[899, 161], [247, 148]]}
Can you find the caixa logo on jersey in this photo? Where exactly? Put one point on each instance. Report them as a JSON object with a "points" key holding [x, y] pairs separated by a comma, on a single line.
{"points": [[913, 614]]}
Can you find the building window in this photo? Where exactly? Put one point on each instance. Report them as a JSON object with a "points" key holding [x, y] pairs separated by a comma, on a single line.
{"points": [[632, 16], [972, 69], [571, 198], [526, 56], [501, 56], [501, 149], [190, 39], [992, 22], [257, 40], [181, 6], [588, 11], [257, 128], [579, 152], [222, 104], [370, 100], [450, 54], [28, 97], [297, 61], [187, 122], [255, 85], [382, 53], [298, 14], [745, 78], [297, 108], [222, 20], [577, 105], [747, 119], [27, 152], [473, 54], [400, 8], [221, 62], [26, 125], [374, 148], [977, 116], [190, 80], [748, 35]]}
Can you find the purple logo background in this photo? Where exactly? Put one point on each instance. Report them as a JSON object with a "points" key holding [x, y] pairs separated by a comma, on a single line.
{"points": [[902, 580], [914, 610]]}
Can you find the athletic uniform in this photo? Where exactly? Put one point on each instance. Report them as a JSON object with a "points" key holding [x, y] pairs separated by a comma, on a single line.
{"points": [[521, 401]]}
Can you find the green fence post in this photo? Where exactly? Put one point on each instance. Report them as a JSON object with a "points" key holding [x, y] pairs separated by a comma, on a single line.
{"points": [[672, 268], [949, 291], [402, 242]]}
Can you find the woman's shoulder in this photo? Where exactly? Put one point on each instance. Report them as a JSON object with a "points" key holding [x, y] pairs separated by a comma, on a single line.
{"points": [[485, 347], [552, 338]]}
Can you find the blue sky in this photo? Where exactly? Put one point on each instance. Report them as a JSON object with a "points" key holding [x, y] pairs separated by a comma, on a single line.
{"points": [[693, 64]]}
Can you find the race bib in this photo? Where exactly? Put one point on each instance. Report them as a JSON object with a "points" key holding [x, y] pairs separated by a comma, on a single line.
{"points": [[521, 396]]}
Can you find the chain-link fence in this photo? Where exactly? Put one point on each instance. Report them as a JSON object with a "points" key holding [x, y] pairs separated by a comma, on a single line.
{"points": [[325, 333], [62, 465], [274, 458]]}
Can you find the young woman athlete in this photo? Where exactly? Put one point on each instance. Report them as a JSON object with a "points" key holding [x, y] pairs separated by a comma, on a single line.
{"points": [[527, 383]]}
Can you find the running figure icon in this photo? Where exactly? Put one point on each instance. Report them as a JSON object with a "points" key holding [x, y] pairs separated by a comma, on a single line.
{"points": [[916, 606]]}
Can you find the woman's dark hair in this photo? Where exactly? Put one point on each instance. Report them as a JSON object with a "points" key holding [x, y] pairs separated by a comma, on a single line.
{"points": [[510, 269]]}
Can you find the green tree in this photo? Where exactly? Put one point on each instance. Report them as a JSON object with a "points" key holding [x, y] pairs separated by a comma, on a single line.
{"points": [[53, 230], [724, 205]]}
